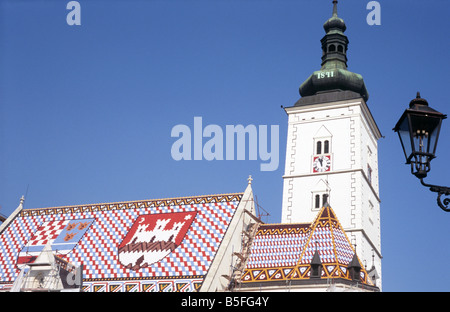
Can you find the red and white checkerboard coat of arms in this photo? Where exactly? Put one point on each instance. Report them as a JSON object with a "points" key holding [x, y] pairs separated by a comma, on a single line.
{"points": [[152, 237], [62, 236]]}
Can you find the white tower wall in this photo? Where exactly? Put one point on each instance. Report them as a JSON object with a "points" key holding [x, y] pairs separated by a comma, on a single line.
{"points": [[351, 182]]}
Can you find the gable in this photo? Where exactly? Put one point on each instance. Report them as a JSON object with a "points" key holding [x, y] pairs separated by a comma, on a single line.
{"points": [[151, 245], [323, 132]]}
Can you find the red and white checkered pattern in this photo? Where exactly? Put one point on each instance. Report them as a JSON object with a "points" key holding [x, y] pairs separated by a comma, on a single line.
{"points": [[48, 232], [277, 246], [97, 249]]}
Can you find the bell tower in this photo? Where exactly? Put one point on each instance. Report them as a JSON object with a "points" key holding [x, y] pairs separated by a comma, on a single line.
{"points": [[332, 153]]}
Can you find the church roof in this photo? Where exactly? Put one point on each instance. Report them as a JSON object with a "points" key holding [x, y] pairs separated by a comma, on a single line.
{"points": [[149, 245], [282, 253]]}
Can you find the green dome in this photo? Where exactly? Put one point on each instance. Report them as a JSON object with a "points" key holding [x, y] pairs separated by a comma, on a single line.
{"points": [[332, 80], [334, 76]]}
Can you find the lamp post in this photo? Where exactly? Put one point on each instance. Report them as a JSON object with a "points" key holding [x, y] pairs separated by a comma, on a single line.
{"points": [[418, 129]]}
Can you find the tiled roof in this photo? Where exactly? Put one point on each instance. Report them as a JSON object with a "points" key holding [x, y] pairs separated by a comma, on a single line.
{"points": [[150, 245], [283, 252], [277, 245]]}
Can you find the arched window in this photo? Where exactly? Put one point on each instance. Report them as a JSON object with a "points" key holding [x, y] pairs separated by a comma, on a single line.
{"points": [[319, 148], [324, 199], [340, 49], [320, 199], [317, 202], [326, 147], [331, 48]]}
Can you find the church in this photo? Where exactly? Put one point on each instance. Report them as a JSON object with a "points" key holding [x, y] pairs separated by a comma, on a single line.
{"points": [[329, 238]]}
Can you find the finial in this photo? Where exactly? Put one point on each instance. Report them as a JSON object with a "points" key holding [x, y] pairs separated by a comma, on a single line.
{"points": [[418, 101], [249, 179], [335, 8], [22, 199]]}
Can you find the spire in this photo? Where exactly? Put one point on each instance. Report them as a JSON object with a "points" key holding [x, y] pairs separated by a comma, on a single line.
{"points": [[13, 215], [335, 43], [335, 8], [316, 264], [354, 268], [333, 74]]}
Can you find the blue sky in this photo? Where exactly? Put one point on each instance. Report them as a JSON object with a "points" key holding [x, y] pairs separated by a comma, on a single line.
{"points": [[86, 111]]}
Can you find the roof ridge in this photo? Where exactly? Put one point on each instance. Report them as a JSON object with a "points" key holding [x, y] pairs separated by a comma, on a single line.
{"points": [[308, 240], [339, 225], [287, 224], [137, 201]]}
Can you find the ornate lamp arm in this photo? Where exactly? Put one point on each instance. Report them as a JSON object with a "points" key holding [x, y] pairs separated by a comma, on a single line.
{"points": [[441, 190]]}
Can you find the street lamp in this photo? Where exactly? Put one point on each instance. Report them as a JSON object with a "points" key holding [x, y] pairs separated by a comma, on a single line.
{"points": [[418, 129]]}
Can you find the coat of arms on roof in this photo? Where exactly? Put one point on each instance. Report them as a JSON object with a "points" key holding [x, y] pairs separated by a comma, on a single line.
{"points": [[61, 235], [152, 237]]}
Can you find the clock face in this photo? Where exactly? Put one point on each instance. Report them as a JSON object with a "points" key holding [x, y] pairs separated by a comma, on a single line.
{"points": [[322, 163]]}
